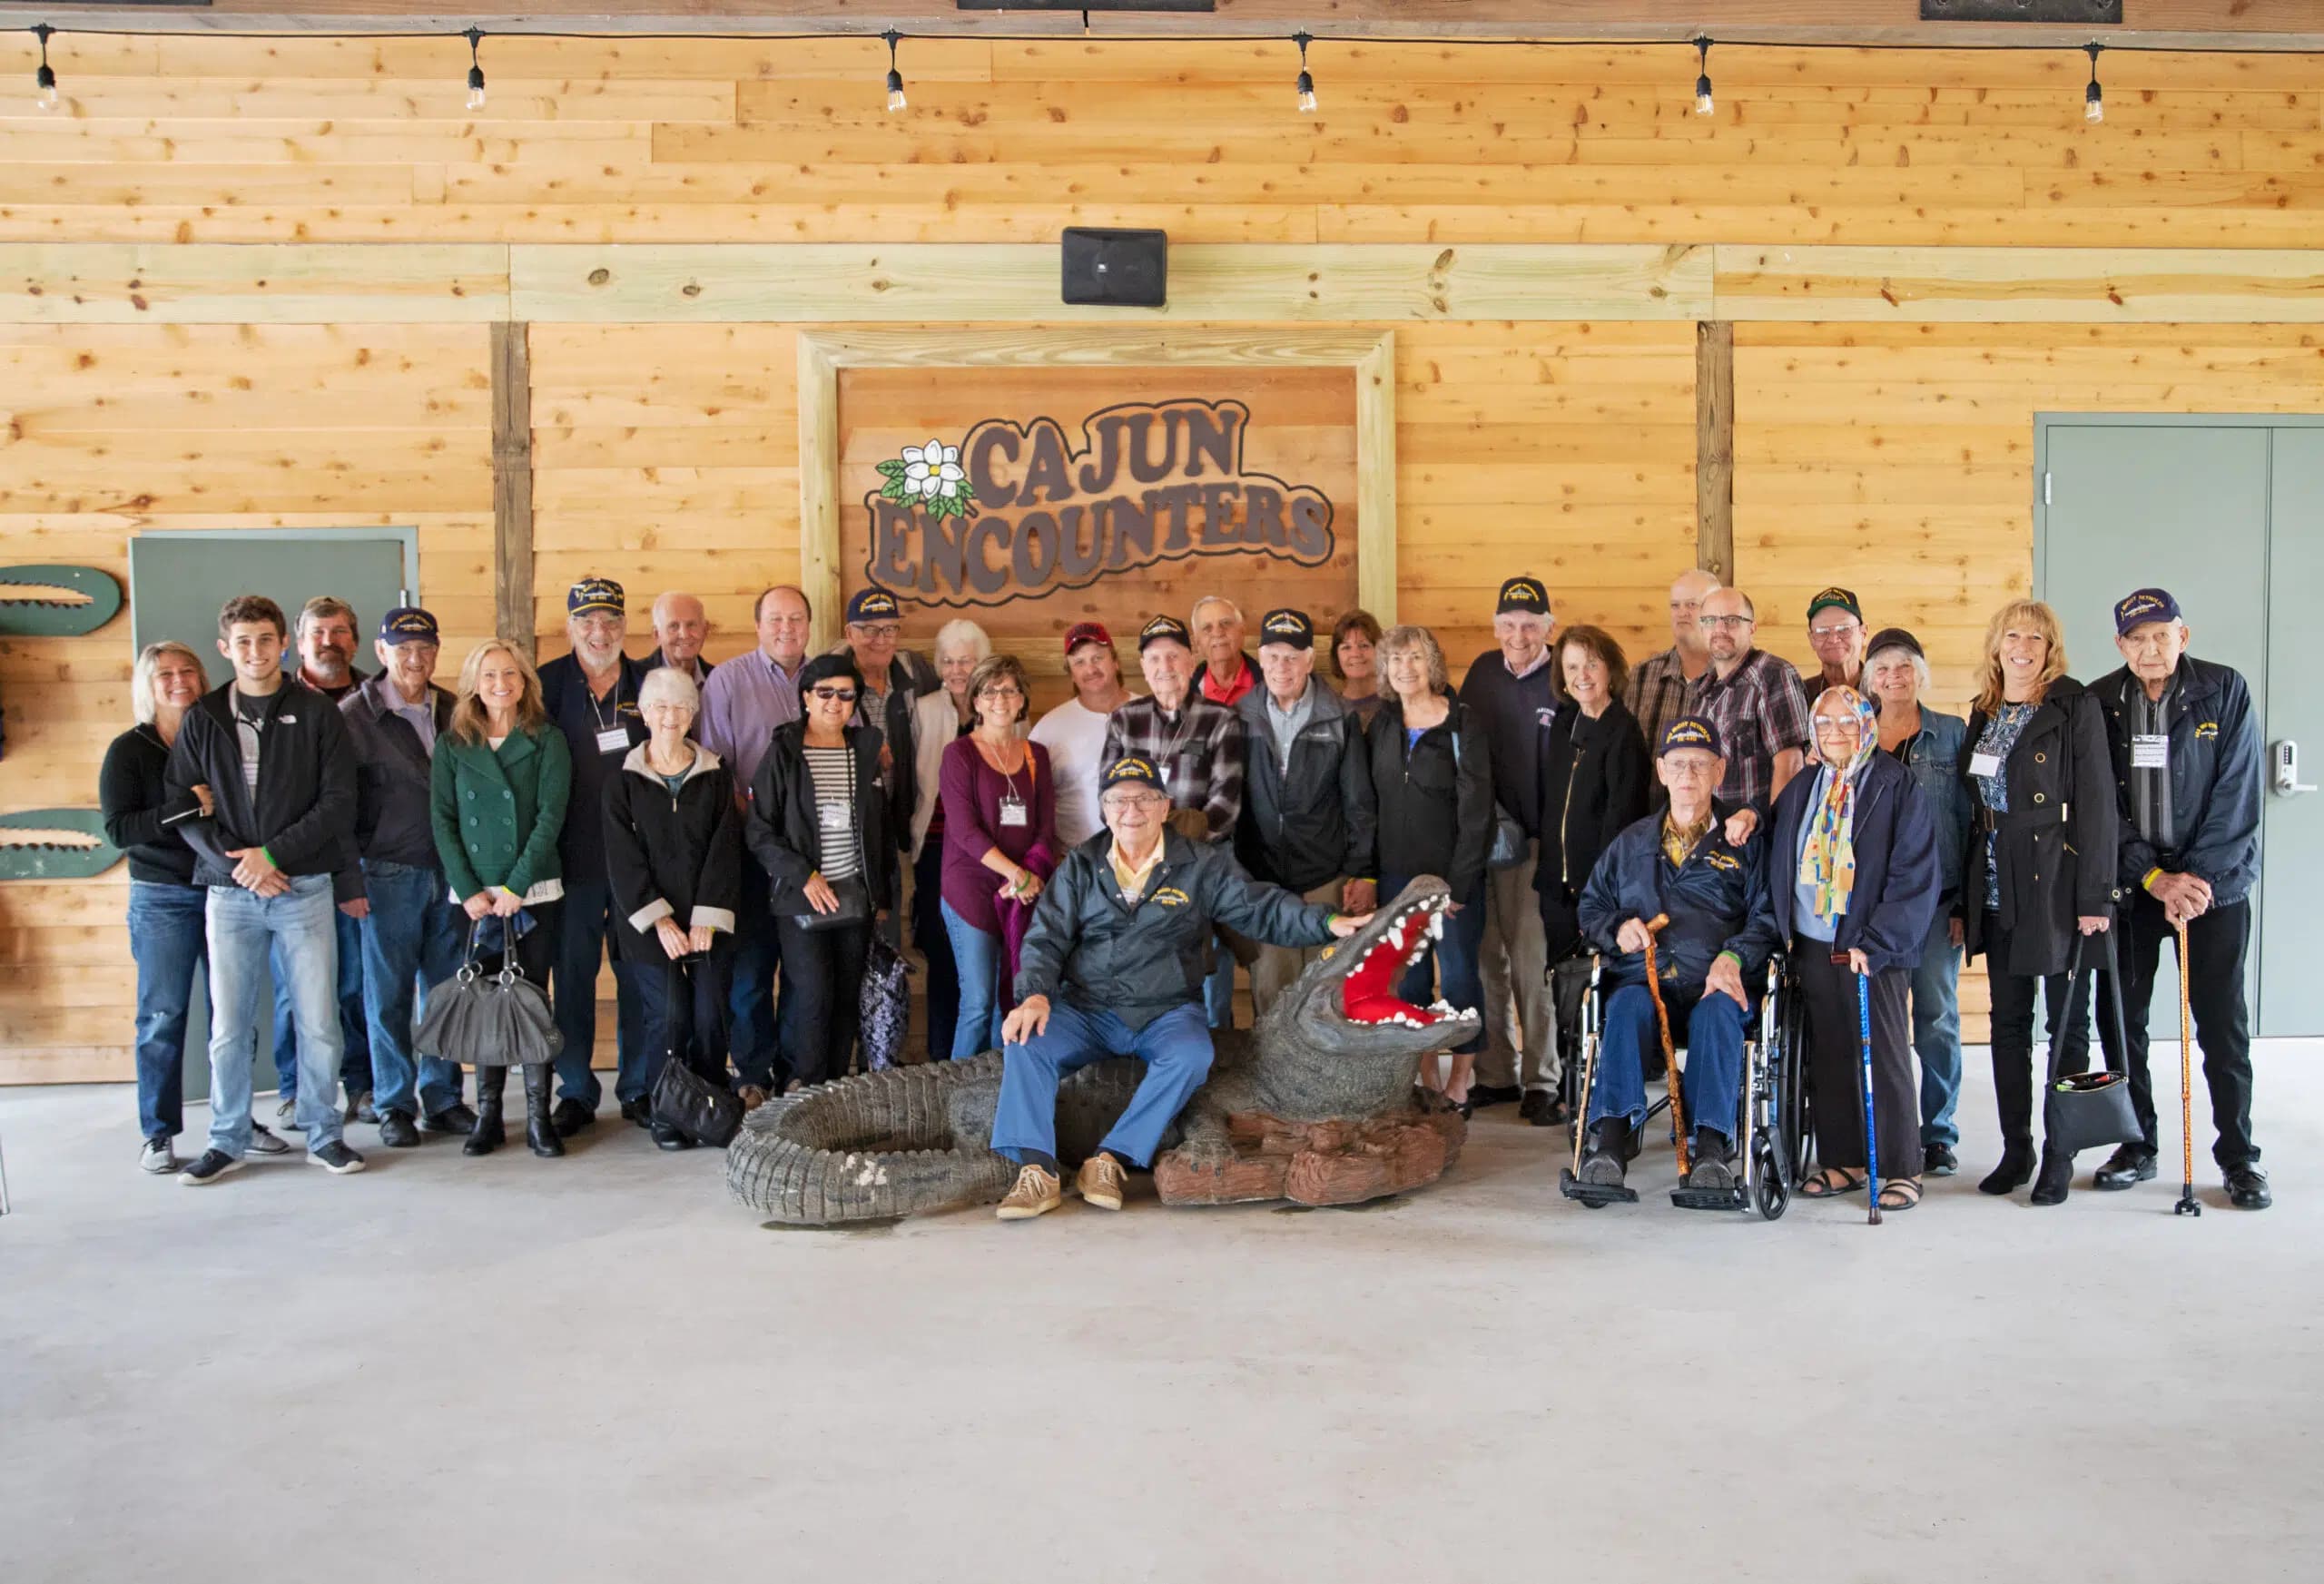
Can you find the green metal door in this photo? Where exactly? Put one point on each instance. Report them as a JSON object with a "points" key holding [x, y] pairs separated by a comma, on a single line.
{"points": [[2291, 948]]}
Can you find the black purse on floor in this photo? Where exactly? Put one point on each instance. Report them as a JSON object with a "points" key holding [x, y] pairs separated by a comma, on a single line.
{"points": [[709, 1113], [2087, 1110]]}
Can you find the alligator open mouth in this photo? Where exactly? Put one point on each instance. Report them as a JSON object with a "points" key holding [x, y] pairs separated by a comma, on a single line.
{"points": [[1347, 1003], [1368, 992]]}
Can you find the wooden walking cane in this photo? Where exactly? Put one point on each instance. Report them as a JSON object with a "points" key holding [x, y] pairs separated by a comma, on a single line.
{"points": [[2188, 1205], [1669, 1052]]}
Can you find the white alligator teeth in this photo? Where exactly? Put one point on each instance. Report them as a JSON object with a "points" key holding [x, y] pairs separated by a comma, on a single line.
{"points": [[1436, 926]]}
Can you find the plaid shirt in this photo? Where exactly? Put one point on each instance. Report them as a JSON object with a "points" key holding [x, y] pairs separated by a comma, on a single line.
{"points": [[1761, 712], [1200, 755], [1656, 695]]}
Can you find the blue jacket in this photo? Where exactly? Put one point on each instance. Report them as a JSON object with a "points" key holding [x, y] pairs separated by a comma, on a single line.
{"points": [[2214, 780], [1933, 755], [1717, 902], [1897, 888]]}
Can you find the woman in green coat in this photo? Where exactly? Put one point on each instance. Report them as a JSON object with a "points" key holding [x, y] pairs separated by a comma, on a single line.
{"points": [[499, 784]]}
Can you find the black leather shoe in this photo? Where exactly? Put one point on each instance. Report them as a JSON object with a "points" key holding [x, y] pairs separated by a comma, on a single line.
{"points": [[453, 1119], [1605, 1164], [1937, 1160], [2015, 1170], [1482, 1094], [668, 1137], [1541, 1108], [2130, 1163], [571, 1117], [359, 1108], [2247, 1188], [2055, 1179], [397, 1131], [638, 1111]]}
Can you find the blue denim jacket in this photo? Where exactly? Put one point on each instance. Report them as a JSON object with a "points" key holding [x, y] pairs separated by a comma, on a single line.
{"points": [[1932, 754]]}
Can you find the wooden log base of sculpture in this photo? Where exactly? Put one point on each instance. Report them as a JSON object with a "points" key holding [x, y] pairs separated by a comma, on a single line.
{"points": [[1340, 1162]]}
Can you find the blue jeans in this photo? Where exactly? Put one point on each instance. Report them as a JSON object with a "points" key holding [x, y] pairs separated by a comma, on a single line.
{"points": [[584, 932], [1712, 1029], [354, 1034], [413, 939], [754, 1016], [1455, 960], [1218, 987], [166, 938], [1176, 1049], [244, 930], [1936, 1032], [932, 931], [978, 957]]}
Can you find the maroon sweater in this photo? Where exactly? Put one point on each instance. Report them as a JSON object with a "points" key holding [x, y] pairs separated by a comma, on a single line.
{"points": [[971, 791]]}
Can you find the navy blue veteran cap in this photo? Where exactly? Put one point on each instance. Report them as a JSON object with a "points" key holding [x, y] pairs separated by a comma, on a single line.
{"points": [[408, 624], [1289, 627], [1131, 771], [595, 593], [872, 605], [2143, 605], [1164, 630], [1688, 731], [1523, 594]]}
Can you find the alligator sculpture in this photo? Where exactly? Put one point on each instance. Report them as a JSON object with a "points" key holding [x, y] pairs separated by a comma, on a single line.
{"points": [[26, 852], [1317, 1105], [33, 614]]}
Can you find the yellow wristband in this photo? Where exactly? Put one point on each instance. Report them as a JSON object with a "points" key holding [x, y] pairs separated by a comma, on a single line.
{"points": [[2146, 881]]}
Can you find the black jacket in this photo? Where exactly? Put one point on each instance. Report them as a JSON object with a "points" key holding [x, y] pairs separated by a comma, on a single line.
{"points": [[1897, 882], [673, 857], [2215, 779], [1717, 902], [911, 678], [304, 812], [1590, 793], [392, 775], [1436, 803], [1319, 821], [2055, 846], [138, 808], [1088, 947], [782, 830], [576, 712]]}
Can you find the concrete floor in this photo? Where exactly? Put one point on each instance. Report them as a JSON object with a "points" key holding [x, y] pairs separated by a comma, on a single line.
{"points": [[599, 1368]]}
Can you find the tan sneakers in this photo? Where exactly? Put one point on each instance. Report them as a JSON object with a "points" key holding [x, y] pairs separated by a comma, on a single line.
{"points": [[1038, 1192], [1102, 1181]]}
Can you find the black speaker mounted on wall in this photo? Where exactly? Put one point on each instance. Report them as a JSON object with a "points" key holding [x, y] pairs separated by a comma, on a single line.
{"points": [[1118, 269]]}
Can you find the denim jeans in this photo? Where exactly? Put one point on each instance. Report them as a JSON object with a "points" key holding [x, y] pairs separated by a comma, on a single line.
{"points": [[166, 938], [1176, 1049], [413, 939], [1936, 1032], [244, 932], [1218, 987], [978, 957], [354, 1034], [754, 1016], [584, 935], [1712, 1029], [1452, 962]]}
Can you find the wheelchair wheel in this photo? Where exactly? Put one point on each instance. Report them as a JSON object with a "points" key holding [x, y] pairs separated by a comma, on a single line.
{"points": [[1796, 1126], [1771, 1193]]}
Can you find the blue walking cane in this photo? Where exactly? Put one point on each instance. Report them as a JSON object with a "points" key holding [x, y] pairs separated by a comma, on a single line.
{"points": [[1871, 1128]]}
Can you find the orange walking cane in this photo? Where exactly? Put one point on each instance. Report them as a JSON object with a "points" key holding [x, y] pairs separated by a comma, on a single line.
{"points": [[1670, 1051], [2188, 1205]]}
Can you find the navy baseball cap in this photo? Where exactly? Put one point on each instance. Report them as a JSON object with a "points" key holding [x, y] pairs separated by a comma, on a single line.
{"points": [[872, 605], [595, 593], [1131, 771], [2143, 605], [1688, 731], [1895, 638], [1164, 630], [1523, 594], [1288, 627], [408, 624]]}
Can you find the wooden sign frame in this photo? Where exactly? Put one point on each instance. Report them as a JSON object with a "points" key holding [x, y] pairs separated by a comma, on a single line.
{"points": [[1372, 355]]}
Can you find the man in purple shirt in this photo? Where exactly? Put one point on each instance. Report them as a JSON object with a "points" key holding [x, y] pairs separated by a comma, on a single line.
{"points": [[741, 704]]}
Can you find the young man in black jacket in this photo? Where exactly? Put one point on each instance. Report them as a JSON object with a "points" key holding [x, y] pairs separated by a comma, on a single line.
{"points": [[2186, 750], [274, 775]]}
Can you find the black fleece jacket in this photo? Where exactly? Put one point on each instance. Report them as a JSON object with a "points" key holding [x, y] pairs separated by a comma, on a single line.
{"points": [[304, 811]]}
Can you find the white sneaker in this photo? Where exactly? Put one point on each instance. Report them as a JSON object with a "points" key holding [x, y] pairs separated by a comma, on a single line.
{"points": [[157, 1157], [265, 1143]]}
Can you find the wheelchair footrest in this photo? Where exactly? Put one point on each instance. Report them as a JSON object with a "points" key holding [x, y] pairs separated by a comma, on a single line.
{"points": [[1594, 1195], [1731, 1198]]}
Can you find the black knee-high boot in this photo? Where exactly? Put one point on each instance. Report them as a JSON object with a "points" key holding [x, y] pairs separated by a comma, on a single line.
{"points": [[486, 1136], [539, 1132]]}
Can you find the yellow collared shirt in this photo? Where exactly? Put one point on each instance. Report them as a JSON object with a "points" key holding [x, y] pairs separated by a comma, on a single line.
{"points": [[1132, 878]]}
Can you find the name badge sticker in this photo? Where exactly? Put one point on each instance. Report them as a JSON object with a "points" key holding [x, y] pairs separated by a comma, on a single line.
{"points": [[1984, 764], [834, 816], [1014, 814], [2149, 751], [613, 739]]}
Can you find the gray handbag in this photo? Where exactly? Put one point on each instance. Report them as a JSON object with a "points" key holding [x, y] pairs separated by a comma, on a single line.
{"points": [[480, 1020]]}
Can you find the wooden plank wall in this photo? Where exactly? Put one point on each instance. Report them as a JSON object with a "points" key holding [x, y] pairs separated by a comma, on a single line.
{"points": [[1894, 456]]}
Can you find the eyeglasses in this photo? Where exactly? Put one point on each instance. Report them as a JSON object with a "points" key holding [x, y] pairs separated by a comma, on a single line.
{"points": [[1834, 632], [878, 630], [1123, 804], [836, 695], [1002, 690], [1827, 727], [1732, 623]]}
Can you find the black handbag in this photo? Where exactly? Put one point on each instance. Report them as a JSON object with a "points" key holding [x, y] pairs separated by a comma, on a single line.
{"points": [[854, 906], [480, 1020], [708, 1113], [2087, 1110]]}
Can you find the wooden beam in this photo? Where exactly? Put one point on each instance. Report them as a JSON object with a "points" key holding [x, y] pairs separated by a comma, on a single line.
{"points": [[2021, 285], [819, 574], [512, 485], [1715, 449], [222, 283], [1376, 579]]}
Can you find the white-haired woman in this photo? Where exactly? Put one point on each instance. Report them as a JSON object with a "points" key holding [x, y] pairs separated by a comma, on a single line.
{"points": [[165, 907], [940, 719]]}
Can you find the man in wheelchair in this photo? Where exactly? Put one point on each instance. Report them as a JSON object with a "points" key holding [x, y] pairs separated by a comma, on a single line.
{"points": [[1681, 865]]}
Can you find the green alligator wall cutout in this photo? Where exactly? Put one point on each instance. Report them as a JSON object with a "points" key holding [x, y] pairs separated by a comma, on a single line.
{"points": [[24, 613], [29, 860]]}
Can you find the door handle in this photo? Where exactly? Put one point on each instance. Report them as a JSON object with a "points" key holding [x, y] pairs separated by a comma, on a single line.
{"points": [[2285, 778]]}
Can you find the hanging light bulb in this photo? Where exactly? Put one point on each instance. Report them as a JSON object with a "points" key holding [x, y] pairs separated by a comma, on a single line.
{"points": [[1307, 78], [1704, 105], [896, 100], [2093, 98], [475, 70], [44, 80]]}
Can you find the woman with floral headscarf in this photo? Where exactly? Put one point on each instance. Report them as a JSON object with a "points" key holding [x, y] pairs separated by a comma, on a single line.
{"points": [[1854, 875]]}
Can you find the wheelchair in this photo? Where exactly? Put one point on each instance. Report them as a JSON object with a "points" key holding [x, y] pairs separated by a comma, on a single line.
{"points": [[1775, 1121]]}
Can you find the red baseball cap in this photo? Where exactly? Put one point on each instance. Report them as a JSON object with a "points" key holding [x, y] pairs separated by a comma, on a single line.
{"points": [[1082, 633]]}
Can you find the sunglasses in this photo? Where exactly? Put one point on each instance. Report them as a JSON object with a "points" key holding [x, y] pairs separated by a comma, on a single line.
{"points": [[842, 695]]}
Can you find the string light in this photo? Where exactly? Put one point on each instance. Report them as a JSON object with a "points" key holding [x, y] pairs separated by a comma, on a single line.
{"points": [[1307, 78], [475, 70], [2093, 98], [1703, 103], [895, 76], [44, 80]]}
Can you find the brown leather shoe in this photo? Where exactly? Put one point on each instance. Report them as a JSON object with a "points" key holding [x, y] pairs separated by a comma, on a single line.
{"points": [[752, 1095], [1038, 1192], [1102, 1181]]}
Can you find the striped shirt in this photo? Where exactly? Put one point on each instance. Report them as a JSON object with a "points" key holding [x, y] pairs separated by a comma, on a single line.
{"points": [[833, 770]]}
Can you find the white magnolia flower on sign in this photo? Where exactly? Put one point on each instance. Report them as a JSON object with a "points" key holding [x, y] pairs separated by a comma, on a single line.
{"points": [[933, 470]]}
